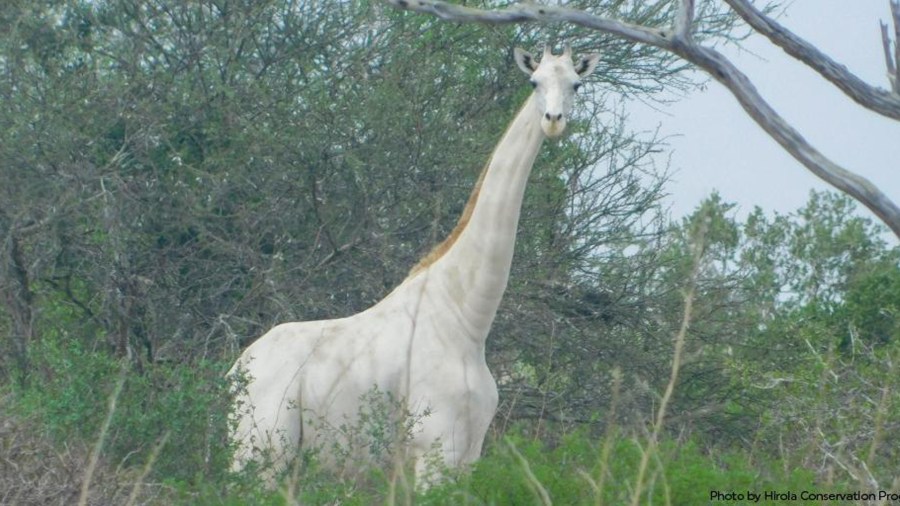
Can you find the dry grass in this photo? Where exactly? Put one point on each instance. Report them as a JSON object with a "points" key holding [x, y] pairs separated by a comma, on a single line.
{"points": [[35, 470], [697, 244]]}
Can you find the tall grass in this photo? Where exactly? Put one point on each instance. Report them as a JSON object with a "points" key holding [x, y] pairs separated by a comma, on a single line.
{"points": [[101, 438], [653, 441]]}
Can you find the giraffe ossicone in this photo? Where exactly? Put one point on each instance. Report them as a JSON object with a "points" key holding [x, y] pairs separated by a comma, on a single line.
{"points": [[423, 344], [555, 80]]}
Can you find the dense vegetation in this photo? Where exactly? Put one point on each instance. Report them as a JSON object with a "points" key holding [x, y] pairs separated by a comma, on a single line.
{"points": [[178, 178]]}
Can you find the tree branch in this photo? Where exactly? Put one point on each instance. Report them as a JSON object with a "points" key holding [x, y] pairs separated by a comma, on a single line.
{"points": [[532, 12], [719, 67], [684, 19], [888, 57], [789, 138], [895, 14], [876, 99], [892, 62]]}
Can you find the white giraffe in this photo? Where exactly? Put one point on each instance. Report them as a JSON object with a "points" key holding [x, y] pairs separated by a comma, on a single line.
{"points": [[424, 342]]}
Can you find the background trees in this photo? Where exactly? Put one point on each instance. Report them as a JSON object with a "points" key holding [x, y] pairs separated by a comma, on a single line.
{"points": [[211, 168], [178, 178]]}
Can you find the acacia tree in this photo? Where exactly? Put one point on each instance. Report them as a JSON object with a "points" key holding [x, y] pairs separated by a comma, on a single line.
{"points": [[817, 368], [182, 177], [679, 36]]}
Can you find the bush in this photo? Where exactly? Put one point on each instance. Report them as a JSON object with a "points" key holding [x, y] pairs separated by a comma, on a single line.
{"points": [[575, 472], [186, 403]]}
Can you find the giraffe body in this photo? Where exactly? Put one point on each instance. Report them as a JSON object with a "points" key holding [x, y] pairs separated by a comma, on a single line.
{"points": [[308, 377], [424, 343]]}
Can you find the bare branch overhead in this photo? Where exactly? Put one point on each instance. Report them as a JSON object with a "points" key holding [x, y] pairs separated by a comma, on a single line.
{"points": [[525, 12], [892, 61], [895, 14], [678, 41], [684, 19], [876, 99], [888, 57]]}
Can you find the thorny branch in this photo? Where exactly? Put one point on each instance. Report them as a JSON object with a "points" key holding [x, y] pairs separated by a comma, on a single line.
{"points": [[678, 41]]}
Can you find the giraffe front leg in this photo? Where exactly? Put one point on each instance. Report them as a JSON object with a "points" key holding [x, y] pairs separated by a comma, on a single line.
{"points": [[446, 445]]}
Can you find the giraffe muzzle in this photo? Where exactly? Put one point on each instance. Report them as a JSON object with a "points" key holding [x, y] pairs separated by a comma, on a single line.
{"points": [[553, 125]]}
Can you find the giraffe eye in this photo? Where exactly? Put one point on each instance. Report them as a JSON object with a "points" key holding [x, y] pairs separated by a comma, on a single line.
{"points": [[576, 86], [533, 83]]}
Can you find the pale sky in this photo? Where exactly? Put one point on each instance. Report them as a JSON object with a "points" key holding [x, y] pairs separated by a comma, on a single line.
{"points": [[719, 147]]}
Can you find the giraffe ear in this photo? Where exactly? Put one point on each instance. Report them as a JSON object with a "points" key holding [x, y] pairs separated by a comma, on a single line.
{"points": [[525, 61], [587, 64]]}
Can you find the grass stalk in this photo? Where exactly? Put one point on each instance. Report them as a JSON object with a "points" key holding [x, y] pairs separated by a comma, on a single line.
{"points": [[148, 466], [609, 439], [101, 438], [680, 337], [532, 480]]}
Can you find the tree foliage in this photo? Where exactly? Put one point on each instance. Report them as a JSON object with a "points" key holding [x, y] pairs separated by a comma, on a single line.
{"points": [[193, 174]]}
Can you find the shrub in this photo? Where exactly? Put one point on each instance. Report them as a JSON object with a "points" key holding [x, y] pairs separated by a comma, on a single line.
{"points": [[185, 403], [569, 473]]}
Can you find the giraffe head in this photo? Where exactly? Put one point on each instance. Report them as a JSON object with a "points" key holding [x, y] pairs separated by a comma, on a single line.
{"points": [[555, 80]]}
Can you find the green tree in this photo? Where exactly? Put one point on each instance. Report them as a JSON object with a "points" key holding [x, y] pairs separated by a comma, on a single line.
{"points": [[181, 177], [818, 364]]}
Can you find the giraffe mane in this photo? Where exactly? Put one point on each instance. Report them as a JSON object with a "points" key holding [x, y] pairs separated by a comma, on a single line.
{"points": [[442, 247]]}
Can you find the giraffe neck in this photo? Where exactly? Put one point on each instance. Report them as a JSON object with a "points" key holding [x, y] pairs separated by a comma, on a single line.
{"points": [[472, 265]]}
